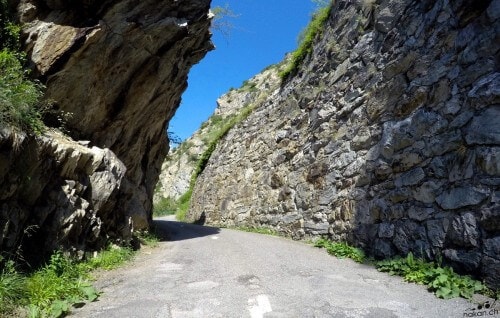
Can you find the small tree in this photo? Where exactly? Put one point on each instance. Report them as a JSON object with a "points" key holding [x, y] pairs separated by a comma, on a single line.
{"points": [[221, 20]]}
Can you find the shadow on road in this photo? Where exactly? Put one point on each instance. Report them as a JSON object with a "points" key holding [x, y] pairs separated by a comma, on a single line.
{"points": [[177, 231]]}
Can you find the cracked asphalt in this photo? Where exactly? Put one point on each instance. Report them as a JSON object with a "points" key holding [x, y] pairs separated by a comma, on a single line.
{"points": [[210, 272]]}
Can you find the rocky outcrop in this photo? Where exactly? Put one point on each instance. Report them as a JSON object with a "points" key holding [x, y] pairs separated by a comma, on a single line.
{"points": [[117, 70], [387, 137], [57, 194], [181, 163]]}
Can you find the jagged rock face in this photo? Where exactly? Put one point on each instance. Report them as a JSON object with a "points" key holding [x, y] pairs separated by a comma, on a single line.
{"points": [[179, 166], [56, 194], [118, 68], [388, 138]]}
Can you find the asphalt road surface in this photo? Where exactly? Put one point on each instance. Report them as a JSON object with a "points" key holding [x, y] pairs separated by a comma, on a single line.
{"points": [[206, 272]]}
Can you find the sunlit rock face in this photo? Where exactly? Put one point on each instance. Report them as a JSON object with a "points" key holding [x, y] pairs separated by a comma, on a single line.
{"points": [[181, 163], [116, 70], [388, 137]]}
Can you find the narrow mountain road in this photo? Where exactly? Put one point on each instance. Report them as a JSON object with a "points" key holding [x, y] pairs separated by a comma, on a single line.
{"points": [[207, 272]]}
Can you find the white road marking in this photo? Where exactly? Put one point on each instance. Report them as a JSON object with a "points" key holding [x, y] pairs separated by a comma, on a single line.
{"points": [[164, 267], [215, 237], [208, 284], [259, 306]]}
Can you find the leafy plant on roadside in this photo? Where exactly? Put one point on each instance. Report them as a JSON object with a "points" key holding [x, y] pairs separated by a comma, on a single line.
{"points": [[443, 281], [221, 19], [341, 250], [110, 258], [60, 285], [53, 289], [149, 238]]}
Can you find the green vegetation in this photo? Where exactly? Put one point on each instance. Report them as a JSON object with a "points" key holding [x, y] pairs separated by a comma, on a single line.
{"points": [[166, 206], [249, 86], [9, 31], [253, 229], [19, 96], [149, 238], [314, 29], [341, 250], [183, 204], [443, 281], [13, 289], [58, 286], [109, 259], [214, 129], [221, 21], [219, 128]]}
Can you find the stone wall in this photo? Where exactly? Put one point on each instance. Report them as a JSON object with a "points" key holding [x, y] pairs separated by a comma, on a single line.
{"points": [[180, 164], [388, 138]]}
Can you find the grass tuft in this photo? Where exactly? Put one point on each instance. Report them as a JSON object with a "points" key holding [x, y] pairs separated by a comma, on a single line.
{"points": [[110, 258], [58, 286], [19, 97], [314, 29], [13, 289], [259, 230]]}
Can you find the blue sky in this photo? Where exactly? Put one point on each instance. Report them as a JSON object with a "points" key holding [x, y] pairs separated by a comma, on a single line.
{"points": [[262, 33]]}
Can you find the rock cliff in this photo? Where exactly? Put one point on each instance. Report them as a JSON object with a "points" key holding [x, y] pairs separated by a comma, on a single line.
{"points": [[180, 165], [388, 137], [117, 69]]}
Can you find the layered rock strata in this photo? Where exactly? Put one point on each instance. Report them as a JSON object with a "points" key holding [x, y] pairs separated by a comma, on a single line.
{"points": [[57, 194], [117, 69], [388, 138]]}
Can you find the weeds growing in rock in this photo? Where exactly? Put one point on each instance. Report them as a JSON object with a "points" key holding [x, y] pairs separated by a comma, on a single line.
{"points": [[217, 133], [19, 96], [110, 258], [221, 21], [314, 29], [183, 204]]}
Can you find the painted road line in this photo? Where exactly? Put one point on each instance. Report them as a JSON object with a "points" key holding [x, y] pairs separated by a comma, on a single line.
{"points": [[259, 306]]}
